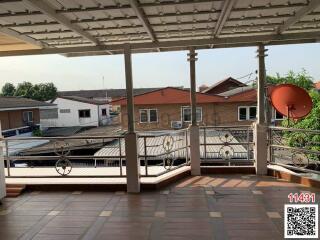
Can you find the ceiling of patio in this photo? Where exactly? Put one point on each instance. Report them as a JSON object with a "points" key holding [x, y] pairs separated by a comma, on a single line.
{"points": [[85, 27]]}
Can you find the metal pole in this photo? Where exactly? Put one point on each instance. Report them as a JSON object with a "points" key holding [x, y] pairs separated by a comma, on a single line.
{"points": [[205, 142], [129, 87], [145, 155], [120, 157], [192, 59], [248, 146], [261, 84], [187, 147], [7, 156]]}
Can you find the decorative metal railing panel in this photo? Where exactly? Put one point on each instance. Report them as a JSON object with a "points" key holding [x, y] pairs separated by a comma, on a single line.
{"points": [[298, 148], [226, 145], [76, 156], [163, 151], [93, 156]]}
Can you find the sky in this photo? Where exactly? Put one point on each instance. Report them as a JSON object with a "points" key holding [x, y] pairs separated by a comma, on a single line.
{"points": [[157, 69]]}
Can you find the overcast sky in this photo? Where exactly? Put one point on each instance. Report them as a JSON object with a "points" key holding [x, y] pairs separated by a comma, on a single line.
{"points": [[157, 69]]}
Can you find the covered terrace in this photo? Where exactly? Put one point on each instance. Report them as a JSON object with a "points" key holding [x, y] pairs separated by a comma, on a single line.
{"points": [[197, 207]]}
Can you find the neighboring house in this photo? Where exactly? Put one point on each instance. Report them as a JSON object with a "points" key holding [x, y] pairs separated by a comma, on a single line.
{"points": [[169, 108], [248, 94], [78, 111], [21, 115], [105, 94], [222, 86]]}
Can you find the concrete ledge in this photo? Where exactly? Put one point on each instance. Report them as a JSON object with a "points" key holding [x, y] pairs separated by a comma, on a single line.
{"points": [[99, 184], [288, 175], [228, 170]]}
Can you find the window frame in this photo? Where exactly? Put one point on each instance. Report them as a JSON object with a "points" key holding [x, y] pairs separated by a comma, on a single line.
{"points": [[84, 110], [247, 113], [186, 107], [103, 110], [249, 117], [148, 115], [28, 119], [275, 116]]}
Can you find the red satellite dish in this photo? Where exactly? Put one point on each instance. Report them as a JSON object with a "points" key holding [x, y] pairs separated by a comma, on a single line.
{"points": [[291, 101]]}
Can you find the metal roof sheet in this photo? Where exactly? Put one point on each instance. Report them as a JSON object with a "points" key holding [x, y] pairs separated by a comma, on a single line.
{"points": [[102, 26]]}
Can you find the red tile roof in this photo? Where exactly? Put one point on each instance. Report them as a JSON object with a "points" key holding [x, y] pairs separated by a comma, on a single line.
{"points": [[169, 95]]}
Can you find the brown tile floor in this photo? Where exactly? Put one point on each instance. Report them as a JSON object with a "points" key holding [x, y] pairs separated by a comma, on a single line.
{"points": [[206, 207]]}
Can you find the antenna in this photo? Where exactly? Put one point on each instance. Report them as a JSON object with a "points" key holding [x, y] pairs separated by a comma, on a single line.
{"points": [[291, 101]]}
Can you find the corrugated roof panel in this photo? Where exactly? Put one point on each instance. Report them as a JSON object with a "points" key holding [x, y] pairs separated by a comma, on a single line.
{"points": [[168, 19]]}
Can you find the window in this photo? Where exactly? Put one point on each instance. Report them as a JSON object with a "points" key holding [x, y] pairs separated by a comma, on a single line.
{"points": [[153, 115], [84, 113], [148, 115], [247, 113], [252, 113], [186, 114], [65, 110], [242, 115], [104, 112], [28, 116], [278, 116]]}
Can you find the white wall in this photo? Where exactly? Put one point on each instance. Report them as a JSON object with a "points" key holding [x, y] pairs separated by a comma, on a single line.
{"points": [[2, 177], [72, 118]]}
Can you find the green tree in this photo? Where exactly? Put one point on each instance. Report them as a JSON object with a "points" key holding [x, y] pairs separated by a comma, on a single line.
{"points": [[40, 92], [46, 91], [8, 89], [301, 79], [24, 89], [311, 122]]}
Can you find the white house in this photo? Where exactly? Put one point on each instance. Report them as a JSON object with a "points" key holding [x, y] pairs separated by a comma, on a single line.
{"points": [[76, 111]]}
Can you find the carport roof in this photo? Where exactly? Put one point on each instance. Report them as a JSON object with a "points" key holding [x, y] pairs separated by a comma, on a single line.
{"points": [[92, 27]]}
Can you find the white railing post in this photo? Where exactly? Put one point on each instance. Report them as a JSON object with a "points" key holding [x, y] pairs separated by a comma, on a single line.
{"points": [[260, 128], [194, 128], [2, 173], [131, 141]]}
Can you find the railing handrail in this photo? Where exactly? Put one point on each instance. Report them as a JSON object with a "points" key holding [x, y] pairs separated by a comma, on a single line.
{"points": [[295, 149], [294, 129], [62, 138], [227, 126], [172, 132]]}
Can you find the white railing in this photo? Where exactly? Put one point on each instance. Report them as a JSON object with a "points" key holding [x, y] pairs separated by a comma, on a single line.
{"points": [[298, 149], [226, 145]]}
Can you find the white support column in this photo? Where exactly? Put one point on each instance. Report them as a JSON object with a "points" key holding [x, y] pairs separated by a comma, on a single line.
{"points": [[2, 173], [194, 128], [131, 143], [261, 128]]}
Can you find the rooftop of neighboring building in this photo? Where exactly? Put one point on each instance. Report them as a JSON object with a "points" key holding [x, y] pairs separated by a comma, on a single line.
{"points": [[102, 93], [9, 103], [83, 100], [223, 86], [170, 95]]}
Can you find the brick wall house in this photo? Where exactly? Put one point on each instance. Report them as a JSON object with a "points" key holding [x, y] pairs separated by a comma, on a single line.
{"points": [[161, 108]]}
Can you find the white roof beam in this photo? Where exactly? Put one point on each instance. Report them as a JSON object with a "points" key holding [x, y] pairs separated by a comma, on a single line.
{"points": [[143, 19], [299, 14], [49, 11], [224, 15], [272, 39], [22, 37]]}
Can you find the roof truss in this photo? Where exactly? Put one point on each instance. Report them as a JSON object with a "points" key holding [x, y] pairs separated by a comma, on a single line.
{"points": [[49, 11], [301, 13]]}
